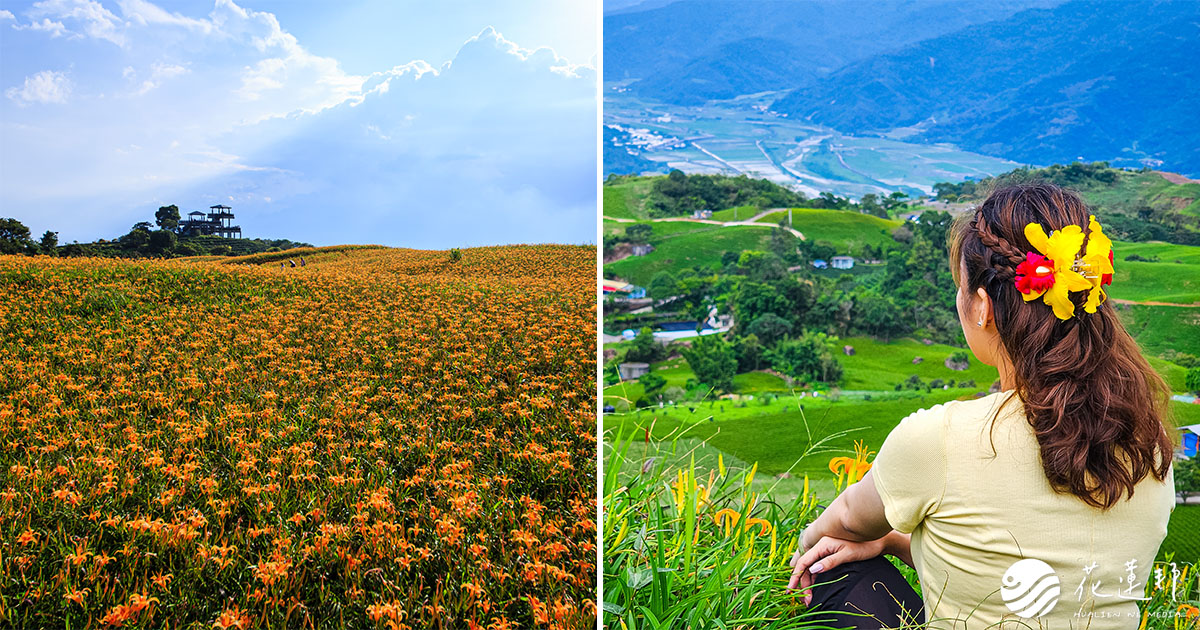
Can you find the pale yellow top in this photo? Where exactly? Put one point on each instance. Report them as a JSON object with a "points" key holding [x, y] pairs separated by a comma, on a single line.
{"points": [[973, 514]]}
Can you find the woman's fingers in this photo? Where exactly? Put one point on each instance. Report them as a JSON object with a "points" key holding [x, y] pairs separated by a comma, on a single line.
{"points": [[824, 547], [806, 582]]}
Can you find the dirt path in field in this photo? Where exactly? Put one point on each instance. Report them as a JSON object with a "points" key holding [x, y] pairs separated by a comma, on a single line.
{"points": [[752, 221], [1152, 303], [1176, 178]]}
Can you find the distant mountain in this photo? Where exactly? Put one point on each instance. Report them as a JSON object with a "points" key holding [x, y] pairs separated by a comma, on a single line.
{"points": [[689, 52], [1100, 80], [628, 6]]}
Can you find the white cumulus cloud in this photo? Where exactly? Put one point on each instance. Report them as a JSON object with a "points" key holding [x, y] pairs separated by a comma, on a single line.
{"points": [[231, 107], [144, 13], [90, 16], [47, 86]]}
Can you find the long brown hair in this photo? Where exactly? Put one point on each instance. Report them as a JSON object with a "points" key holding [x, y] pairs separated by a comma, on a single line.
{"points": [[1096, 405]]}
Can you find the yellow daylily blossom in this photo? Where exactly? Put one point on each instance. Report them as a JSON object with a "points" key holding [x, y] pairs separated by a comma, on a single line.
{"points": [[730, 518], [1097, 264], [763, 524], [851, 467], [1061, 247]]}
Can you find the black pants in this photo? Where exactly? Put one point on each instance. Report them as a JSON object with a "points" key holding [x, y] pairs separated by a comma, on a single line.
{"points": [[846, 593]]}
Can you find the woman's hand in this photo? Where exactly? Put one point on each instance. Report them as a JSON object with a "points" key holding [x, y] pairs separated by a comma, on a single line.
{"points": [[826, 554]]}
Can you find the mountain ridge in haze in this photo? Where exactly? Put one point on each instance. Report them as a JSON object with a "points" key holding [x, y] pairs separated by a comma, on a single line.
{"points": [[1097, 80], [689, 52]]}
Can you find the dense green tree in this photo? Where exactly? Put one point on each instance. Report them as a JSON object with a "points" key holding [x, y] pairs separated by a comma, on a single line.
{"points": [[933, 227], [761, 266], [1192, 382], [695, 293], [713, 360], [895, 200], [645, 349], [868, 203], [1187, 477], [639, 232], [162, 241], [832, 312], [754, 299], [798, 296], [663, 285], [822, 251], [877, 315], [137, 238], [652, 384], [783, 245], [14, 237], [749, 352], [678, 193], [807, 358], [167, 217], [49, 243], [770, 328]]}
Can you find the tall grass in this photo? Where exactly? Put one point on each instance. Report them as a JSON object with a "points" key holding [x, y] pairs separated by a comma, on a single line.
{"points": [[684, 550], [688, 548]]}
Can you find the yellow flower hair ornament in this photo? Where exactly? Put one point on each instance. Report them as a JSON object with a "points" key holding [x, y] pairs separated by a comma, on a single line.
{"points": [[1057, 269]]}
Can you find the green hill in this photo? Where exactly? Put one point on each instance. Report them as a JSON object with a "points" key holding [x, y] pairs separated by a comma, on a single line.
{"points": [[846, 230], [700, 247], [1133, 205]]}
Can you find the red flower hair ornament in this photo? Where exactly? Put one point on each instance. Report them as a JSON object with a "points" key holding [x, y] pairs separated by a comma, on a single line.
{"points": [[1057, 268]]}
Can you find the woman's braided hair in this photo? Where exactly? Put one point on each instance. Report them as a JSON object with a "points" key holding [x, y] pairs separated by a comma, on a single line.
{"points": [[1096, 406], [1005, 257]]}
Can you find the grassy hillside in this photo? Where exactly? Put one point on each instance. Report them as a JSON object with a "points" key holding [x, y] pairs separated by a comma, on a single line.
{"points": [[1173, 277], [1149, 187], [627, 199], [848, 231], [691, 248], [685, 244], [1161, 328], [659, 229], [774, 433], [677, 373], [877, 365], [1169, 282]]}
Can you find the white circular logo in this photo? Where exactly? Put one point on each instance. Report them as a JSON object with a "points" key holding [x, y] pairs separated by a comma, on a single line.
{"points": [[1030, 588]]}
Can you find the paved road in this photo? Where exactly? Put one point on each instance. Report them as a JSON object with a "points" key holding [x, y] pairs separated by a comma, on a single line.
{"points": [[752, 221]]}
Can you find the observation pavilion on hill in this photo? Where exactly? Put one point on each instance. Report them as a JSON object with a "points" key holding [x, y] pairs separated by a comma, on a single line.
{"points": [[218, 221]]}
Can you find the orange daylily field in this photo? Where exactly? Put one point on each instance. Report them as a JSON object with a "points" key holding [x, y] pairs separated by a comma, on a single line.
{"points": [[381, 438]]}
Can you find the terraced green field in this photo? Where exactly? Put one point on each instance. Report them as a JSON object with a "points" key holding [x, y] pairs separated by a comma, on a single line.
{"points": [[1150, 186], [677, 373], [692, 248], [846, 231], [876, 365], [658, 229], [1161, 328], [1181, 535], [627, 199], [1165, 252]]}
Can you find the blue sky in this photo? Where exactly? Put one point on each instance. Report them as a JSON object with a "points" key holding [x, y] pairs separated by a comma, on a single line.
{"points": [[414, 124]]}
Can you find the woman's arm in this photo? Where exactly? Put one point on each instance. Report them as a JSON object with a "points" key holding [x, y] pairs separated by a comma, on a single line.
{"points": [[899, 545], [855, 515]]}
